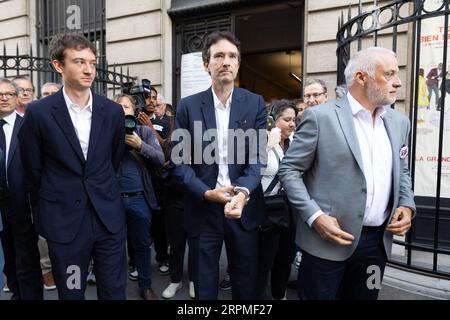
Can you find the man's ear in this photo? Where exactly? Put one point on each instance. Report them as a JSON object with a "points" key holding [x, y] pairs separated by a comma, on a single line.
{"points": [[360, 78], [206, 65], [57, 65]]}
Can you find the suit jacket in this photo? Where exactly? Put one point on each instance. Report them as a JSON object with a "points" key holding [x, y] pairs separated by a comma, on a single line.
{"points": [[62, 182], [323, 169], [247, 112], [18, 207]]}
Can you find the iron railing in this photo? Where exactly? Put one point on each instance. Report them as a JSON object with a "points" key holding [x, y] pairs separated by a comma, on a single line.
{"points": [[109, 79]]}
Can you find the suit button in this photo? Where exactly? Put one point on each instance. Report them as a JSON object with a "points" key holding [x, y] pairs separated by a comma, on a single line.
{"points": [[364, 190], [361, 215], [85, 179], [78, 201]]}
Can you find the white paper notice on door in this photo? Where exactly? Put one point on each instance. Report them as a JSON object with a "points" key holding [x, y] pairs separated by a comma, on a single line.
{"points": [[194, 78]]}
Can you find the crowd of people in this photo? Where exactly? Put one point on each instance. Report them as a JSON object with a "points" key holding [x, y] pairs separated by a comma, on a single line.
{"points": [[84, 197]]}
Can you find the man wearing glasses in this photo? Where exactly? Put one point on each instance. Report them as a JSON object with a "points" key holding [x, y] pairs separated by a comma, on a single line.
{"points": [[19, 239], [315, 92], [26, 93]]}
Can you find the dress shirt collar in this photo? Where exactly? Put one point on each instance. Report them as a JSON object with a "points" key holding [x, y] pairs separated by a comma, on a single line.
{"points": [[357, 107], [74, 106], [218, 103], [10, 118]]}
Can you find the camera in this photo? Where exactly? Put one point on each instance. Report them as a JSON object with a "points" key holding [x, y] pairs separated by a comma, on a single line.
{"points": [[139, 93], [130, 124]]}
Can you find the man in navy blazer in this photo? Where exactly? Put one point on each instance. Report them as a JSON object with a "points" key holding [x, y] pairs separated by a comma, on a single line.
{"points": [[218, 188], [72, 143], [19, 238]]}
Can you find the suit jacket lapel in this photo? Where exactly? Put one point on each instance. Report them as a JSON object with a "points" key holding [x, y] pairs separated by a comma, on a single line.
{"points": [[236, 108], [62, 118], [98, 116], [14, 139], [345, 116], [393, 137], [208, 110]]}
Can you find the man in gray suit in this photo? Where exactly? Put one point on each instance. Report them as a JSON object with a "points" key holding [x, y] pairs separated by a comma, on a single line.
{"points": [[346, 178]]}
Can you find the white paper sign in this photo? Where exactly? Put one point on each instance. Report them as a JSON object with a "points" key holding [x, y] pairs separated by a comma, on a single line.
{"points": [[194, 78]]}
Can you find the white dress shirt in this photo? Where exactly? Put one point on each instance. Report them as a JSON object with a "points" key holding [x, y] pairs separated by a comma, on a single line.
{"points": [[8, 128], [222, 120], [81, 120], [376, 153]]}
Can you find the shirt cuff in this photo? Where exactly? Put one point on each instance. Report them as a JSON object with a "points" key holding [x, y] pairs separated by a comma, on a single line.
{"points": [[311, 219], [245, 190]]}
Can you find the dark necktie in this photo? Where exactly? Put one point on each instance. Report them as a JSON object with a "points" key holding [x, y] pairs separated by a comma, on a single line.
{"points": [[3, 184]]}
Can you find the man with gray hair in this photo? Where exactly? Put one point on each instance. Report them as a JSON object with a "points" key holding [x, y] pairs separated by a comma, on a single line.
{"points": [[346, 178], [49, 88], [315, 92]]}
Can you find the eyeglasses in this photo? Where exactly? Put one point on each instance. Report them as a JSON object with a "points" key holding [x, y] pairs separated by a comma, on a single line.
{"points": [[8, 95], [314, 95], [27, 90]]}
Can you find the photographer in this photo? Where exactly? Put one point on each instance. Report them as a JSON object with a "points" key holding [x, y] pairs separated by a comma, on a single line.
{"points": [[143, 155], [161, 126]]}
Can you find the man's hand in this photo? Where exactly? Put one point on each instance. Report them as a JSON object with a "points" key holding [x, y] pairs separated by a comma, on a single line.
{"points": [[134, 141], [233, 209], [401, 221], [144, 119], [328, 228], [219, 195]]}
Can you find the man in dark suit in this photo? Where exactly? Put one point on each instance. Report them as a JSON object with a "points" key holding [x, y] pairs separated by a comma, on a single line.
{"points": [[218, 187], [72, 143], [22, 267]]}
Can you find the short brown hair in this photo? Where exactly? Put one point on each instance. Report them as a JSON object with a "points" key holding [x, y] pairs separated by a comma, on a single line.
{"points": [[61, 42], [215, 37]]}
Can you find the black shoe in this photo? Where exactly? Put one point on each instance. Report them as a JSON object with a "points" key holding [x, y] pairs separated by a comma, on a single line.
{"points": [[148, 294]]}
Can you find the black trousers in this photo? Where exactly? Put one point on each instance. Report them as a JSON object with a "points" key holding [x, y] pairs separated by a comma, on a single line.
{"points": [[242, 253], [357, 278], [70, 261], [22, 261], [276, 253], [159, 235], [177, 237]]}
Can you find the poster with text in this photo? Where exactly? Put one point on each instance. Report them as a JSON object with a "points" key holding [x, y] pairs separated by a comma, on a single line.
{"points": [[431, 79]]}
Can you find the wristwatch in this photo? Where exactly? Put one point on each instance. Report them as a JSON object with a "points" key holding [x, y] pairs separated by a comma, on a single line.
{"points": [[244, 191]]}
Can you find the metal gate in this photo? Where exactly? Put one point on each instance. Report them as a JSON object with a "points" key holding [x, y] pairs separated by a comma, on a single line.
{"points": [[426, 247], [40, 70]]}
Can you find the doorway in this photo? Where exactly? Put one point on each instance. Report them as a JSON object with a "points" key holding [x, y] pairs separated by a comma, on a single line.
{"points": [[272, 38]]}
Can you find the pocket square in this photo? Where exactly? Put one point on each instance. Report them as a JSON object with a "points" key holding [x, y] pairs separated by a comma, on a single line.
{"points": [[403, 152]]}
